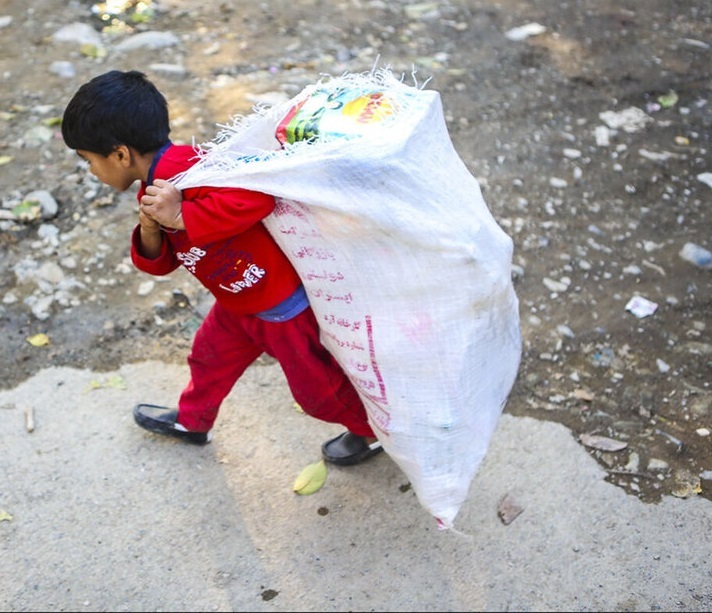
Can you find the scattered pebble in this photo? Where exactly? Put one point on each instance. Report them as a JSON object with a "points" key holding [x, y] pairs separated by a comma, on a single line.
{"points": [[146, 288], [697, 255], [662, 366], [148, 40], [631, 119], [79, 33], [523, 32], [641, 307], [508, 509]]}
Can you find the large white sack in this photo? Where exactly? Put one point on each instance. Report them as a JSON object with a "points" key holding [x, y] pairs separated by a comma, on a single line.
{"points": [[405, 267]]}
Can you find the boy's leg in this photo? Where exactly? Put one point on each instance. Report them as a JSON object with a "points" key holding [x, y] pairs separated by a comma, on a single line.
{"points": [[315, 378], [220, 354], [320, 386]]}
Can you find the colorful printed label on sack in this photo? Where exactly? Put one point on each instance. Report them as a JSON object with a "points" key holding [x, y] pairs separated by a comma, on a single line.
{"points": [[343, 113]]}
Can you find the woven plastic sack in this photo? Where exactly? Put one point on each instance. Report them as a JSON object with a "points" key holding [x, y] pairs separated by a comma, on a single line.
{"points": [[405, 267]]}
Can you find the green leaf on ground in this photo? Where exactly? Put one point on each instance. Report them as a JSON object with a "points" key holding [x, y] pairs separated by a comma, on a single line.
{"points": [[310, 479]]}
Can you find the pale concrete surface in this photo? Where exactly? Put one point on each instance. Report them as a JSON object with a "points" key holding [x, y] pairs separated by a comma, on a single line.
{"points": [[106, 517]]}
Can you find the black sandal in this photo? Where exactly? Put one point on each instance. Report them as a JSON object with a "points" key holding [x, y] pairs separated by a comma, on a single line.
{"points": [[348, 448], [163, 420]]}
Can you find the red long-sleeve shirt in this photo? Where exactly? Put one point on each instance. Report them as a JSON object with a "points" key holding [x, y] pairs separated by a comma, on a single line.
{"points": [[225, 245]]}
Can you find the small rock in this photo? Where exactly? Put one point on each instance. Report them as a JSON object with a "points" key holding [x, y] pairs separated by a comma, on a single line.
{"points": [[508, 510], [631, 119], [38, 136], [51, 273], [657, 465], [697, 255], [564, 330], [602, 443], [78, 32], [662, 366], [146, 288], [555, 286], [48, 205], [633, 462], [523, 32], [169, 69], [40, 306], [603, 136], [421, 9], [581, 394], [148, 40], [632, 269], [49, 234], [63, 69]]}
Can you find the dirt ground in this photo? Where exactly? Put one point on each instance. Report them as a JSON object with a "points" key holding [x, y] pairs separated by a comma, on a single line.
{"points": [[594, 223]]}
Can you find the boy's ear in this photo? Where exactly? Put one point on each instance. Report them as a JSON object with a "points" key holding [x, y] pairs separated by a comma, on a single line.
{"points": [[123, 154]]}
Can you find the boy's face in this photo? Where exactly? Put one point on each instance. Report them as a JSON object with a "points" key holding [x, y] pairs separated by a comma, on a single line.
{"points": [[114, 170]]}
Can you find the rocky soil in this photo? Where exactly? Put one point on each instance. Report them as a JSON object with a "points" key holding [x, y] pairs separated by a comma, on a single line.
{"points": [[588, 126]]}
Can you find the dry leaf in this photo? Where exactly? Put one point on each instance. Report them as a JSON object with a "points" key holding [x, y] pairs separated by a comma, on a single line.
{"points": [[93, 385], [310, 479], [5, 159], [116, 381], [508, 510], [93, 51], [668, 100], [38, 340], [52, 121], [5, 516], [602, 443]]}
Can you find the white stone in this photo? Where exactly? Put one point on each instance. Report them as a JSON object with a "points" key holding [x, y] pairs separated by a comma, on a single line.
{"points": [[146, 288], [77, 32], [525, 31], [148, 40]]}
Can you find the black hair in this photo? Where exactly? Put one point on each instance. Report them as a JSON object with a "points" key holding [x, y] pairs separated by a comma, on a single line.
{"points": [[116, 108]]}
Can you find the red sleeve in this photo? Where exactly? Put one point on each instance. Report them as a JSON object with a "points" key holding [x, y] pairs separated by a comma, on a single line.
{"points": [[212, 214], [165, 263]]}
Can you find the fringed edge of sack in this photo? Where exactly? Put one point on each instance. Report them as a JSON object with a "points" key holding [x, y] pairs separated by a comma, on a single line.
{"points": [[217, 155], [368, 80]]}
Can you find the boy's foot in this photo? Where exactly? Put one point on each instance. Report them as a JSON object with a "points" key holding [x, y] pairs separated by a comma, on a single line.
{"points": [[348, 448], [163, 420]]}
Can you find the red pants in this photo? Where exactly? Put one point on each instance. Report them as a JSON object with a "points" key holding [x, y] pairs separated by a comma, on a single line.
{"points": [[226, 344]]}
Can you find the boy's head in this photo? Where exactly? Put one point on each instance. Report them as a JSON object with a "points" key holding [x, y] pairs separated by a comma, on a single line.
{"points": [[116, 108]]}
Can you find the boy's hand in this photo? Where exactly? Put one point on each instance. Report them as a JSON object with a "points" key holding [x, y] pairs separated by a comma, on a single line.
{"points": [[151, 236], [162, 203], [148, 225]]}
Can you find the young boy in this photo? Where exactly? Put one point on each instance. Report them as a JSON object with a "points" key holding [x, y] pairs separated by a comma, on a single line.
{"points": [[118, 122]]}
